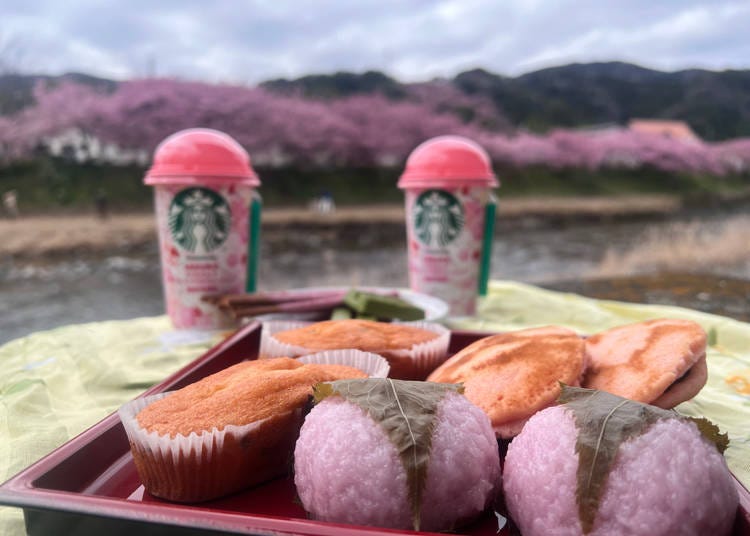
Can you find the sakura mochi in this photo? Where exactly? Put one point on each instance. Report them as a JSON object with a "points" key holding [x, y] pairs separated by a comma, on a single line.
{"points": [[397, 454], [603, 465]]}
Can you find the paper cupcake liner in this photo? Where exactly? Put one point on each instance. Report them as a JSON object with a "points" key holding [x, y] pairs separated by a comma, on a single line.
{"points": [[207, 465], [413, 363], [270, 347], [422, 358], [376, 366]]}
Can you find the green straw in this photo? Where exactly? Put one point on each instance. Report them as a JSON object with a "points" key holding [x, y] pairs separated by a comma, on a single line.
{"points": [[256, 206], [489, 231]]}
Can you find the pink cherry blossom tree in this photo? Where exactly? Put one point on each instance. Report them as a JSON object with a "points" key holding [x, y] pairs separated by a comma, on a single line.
{"points": [[362, 130]]}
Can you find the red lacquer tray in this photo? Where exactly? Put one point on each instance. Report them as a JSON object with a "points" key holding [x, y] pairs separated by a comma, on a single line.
{"points": [[90, 486]]}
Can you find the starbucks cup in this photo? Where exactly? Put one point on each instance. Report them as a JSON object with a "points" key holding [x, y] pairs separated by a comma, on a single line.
{"points": [[208, 215], [450, 214]]}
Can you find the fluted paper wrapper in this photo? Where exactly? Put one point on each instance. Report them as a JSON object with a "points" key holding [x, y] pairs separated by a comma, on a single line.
{"points": [[413, 363], [376, 366], [204, 466]]}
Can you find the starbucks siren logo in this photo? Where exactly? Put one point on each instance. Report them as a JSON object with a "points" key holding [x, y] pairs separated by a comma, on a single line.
{"points": [[438, 218], [199, 220]]}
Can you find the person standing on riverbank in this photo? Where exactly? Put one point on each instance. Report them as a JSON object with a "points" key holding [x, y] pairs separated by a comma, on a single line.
{"points": [[10, 203], [101, 202]]}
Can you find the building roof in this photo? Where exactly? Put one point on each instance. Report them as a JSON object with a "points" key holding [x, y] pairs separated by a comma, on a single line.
{"points": [[678, 130]]}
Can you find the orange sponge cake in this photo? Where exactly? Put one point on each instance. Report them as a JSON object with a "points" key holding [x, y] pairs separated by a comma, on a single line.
{"points": [[513, 375], [412, 350], [225, 432], [660, 362], [366, 335], [246, 392]]}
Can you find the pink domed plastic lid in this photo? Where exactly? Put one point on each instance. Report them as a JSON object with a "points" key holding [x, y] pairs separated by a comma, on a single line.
{"points": [[198, 155], [446, 162]]}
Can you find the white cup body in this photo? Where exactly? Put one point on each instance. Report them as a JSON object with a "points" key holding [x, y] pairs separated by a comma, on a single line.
{"points": [[445, 228], [203, 242]]}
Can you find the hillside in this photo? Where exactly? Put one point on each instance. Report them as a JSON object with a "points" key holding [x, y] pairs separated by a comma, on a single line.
{"points": [[17, 90], [715, 104], [340, 84]]}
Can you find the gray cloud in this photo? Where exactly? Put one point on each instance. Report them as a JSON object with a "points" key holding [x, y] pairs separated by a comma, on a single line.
{"points": [[413, 40]]}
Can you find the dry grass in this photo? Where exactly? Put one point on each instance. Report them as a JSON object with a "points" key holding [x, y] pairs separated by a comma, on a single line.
{"points": [[694, 246], [40, 235], [508, 208], [598, 206], [34, 236]]}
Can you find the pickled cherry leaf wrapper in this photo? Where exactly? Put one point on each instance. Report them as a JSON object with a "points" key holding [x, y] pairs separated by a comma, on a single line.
{"points": [[712, 433], [407, 412], [604, 421]]}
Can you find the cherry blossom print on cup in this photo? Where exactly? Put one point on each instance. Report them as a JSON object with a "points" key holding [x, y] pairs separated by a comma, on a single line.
{"points": [[204, 190], [448, 184]]}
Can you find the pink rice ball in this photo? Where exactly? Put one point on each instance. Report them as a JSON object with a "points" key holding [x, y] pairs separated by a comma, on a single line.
{"points": [[348, 471], [667, 481]]}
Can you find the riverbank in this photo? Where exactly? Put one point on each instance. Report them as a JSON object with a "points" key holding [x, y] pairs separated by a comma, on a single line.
{"points": [[55, 235]]}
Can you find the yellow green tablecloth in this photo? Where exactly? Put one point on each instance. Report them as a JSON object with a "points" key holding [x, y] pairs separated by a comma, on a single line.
{"points": [[57, 383]]}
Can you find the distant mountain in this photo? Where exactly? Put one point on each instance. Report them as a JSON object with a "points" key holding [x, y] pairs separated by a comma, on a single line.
{"points": [[340, 84], [715, 103], [17, 90]]}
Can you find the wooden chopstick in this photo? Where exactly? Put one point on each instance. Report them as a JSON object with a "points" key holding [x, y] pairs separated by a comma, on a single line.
{"points": [[299, 306], [281, 301], [283, 296]]}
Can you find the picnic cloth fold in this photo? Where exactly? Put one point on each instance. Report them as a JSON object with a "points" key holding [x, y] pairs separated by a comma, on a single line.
{"points": [[57, 383]]}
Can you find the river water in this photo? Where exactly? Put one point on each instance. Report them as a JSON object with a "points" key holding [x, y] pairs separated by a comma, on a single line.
{"points": [[42, 295]]}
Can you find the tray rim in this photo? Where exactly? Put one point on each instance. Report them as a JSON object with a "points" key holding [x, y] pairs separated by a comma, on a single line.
{"points": [[19, 490]]}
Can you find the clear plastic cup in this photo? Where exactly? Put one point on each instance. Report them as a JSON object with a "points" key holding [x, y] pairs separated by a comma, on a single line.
{"points": [[208, 217], [450, 213]]}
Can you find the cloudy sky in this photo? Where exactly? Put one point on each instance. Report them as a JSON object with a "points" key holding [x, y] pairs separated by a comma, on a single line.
{"points": [[251, 41]]}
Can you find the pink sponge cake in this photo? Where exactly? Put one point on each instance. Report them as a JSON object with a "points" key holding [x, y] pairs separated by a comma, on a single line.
{"points": [[659, 362], [513, 375]]}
